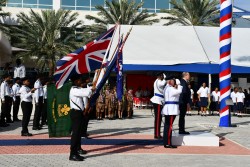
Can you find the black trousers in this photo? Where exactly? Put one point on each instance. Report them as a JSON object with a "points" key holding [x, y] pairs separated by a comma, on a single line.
{"points": [[38, 112], [85, 125], [16, 105], [27, 110], [44, 112], [77, 120], [183, 111], [10, 102], [5, 108], [168, 127], [158, 118]]}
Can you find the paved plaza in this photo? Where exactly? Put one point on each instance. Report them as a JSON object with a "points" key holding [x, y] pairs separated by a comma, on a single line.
{"points": [[129, 142]]}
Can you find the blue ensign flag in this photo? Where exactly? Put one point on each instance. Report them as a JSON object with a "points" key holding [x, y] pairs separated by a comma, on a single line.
{"points": [[119, 76]]}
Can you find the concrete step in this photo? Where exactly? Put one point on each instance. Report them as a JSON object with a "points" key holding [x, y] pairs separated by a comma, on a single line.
{"points": [[195, 139]]}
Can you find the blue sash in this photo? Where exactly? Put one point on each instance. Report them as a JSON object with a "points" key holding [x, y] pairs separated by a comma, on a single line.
{"points": [[171, 102], [159, 95]]}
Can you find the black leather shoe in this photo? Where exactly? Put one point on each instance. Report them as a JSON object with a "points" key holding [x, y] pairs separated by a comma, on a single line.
{"points": [[36, 128], [26, 134], [160, 137], [76, 158], [82, 151], [184, 133], [170, 146]]}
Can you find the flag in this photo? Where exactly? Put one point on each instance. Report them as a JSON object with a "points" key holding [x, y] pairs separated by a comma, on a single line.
{"points": [[109, 68], [119, 77], [226, 12], [83, 60]]}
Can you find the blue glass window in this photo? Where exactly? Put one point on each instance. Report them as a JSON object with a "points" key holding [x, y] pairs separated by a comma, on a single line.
{"points": [[45, 7], [149, 4], [29, 6], [68, 8], [46, 2], [14, 1], [68, 2], [162, 4], [83, 8], [83, 3], [14, 5], [97, 2], [30, 1]]}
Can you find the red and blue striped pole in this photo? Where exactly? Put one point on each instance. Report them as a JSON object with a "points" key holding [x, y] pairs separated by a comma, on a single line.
{"points": [[225, 60]]}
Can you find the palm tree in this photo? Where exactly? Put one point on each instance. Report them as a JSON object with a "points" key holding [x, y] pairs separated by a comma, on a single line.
{"points": [[193, 12], [47, 36], [2, 14], [122, 12]]}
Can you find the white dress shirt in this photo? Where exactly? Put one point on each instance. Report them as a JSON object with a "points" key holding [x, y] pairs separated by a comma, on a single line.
{"points": [[19, 71], [77, 96], [16, 87], [158, 97], [26, 94], [234, 96], [5, 90], [171, 95], [203, 92], [216, 96], [39, 90], [192, 93], [240, 97]]}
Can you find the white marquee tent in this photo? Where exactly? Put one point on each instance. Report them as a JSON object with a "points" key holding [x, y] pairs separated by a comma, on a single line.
{"points": [[181, 48]]}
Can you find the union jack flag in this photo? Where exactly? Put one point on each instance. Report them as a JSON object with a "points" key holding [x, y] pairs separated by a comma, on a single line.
{"points": [[83, 60]]}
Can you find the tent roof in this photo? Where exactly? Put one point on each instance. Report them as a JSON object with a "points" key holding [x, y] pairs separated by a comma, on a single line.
{"points": [[162, 46]]}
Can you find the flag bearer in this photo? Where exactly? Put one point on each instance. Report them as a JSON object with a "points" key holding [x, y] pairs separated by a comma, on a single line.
{"points": [[77, 105]]}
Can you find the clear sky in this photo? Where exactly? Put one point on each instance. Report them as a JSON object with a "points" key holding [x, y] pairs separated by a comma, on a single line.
{"points": [[244, 4]]}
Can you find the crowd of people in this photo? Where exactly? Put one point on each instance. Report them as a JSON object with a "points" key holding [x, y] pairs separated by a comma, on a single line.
{"points": [[15, 91], [110, 107]]}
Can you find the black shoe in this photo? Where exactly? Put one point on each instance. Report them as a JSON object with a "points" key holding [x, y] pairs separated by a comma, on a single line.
{"points": [[184, 133], [82, 151], [76, 158], [158, 137], [170, 146], [26, 134], [36, 128]]}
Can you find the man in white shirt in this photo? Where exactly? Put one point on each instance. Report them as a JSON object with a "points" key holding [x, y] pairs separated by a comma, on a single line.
{"points": [[215, 104], [204, 98], [19, 69], [158, 100], [240, 102], [234, 99], [77, 105], [5, 96], [170, 110], [38, 96], [26, 105], [16, 99], [44, 112]]}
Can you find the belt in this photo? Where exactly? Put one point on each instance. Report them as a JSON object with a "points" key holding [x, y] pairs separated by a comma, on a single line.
{"points": [[171, 102], [159, 95]]}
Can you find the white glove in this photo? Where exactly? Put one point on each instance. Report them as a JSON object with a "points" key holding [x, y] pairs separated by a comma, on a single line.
{"points": [[164, 76], [177, 81]]}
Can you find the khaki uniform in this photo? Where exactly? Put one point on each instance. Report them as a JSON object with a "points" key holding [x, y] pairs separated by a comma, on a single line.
{"points": [[100, 105], [107, 93], [129, 102], [111, 102]]}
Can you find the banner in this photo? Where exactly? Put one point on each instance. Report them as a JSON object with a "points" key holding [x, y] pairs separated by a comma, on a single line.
{"points": [[58, 108]]}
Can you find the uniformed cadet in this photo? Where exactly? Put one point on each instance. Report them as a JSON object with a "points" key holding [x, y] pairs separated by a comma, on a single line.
{"points": [[38, 96], [130, 103], [120, 107], [107, 92], [26, 105], [111, 105], [77, 106], [116, 103], [16, 99], [158, 100], [100, 105], [170, 110], [5, 99], [19, 69], [8, 115]]}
